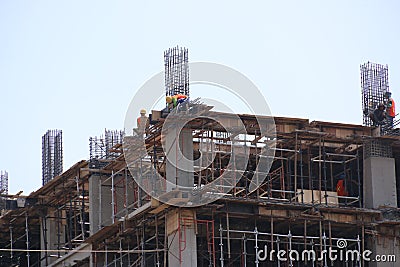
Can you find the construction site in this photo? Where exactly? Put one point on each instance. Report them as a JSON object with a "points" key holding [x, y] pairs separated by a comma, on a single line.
{"points": [[253, 190]]}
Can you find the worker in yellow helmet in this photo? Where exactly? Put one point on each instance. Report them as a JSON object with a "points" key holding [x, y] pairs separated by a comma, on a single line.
{"points": [[142, 121], [170, 104]]}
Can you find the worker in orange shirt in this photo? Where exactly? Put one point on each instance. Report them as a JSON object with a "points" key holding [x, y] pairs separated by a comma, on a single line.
{"points": [[142, 121], [390, 110], [340, 189]]}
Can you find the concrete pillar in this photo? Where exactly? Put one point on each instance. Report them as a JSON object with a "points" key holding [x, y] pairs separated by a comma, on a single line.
{"points": [[94, 204], [379, 182], [53, 233], [100, 209], [181, 231], [179, 171]]}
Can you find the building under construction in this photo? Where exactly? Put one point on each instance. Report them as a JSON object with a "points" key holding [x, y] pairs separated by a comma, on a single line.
{"points": [[305, 185]]}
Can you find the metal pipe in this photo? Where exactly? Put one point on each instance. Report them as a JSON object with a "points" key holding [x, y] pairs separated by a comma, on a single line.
{"points": [[345, 178], [112, 198], [320, 170], [27, 239], [120, 253], [301, 173], [278, 249], [157, 254], [324, 172], [58, 232], [295, 164], [100, 204], [11, 244], [290, 249], [126, 191], [359, 249], [106, 254], [256, 245], [360, 204], [325, 256], [82, 209], [341, 155], [244, 251], [228, 235], [221, 245], [44, 231]]}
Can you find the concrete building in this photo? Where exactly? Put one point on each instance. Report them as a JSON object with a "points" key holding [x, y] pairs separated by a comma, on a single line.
{"points": [[195, 187], [330, 185]]}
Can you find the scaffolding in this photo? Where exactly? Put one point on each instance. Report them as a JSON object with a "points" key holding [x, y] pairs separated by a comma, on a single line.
{"points": [[307, 166], [296, 206], [52, 155], [303, 243], [176, 71], [103, 212]]}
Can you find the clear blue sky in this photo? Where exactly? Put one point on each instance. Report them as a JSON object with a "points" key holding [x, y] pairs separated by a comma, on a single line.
{"points": [[75, 65]]}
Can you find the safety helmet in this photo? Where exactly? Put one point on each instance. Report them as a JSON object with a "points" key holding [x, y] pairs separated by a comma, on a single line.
{"points": [[142, 111]]}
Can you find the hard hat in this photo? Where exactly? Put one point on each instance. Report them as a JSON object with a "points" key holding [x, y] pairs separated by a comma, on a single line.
{"points": [[142, 111], [168, 99]]}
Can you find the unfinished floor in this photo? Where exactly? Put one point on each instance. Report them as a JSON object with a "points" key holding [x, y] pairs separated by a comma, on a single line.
{"points": [[95, 214]]}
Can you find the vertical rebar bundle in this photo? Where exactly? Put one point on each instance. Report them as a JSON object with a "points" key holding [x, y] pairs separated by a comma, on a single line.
{"points": [[374, 85], [101, 147], [176, 71], [4, 182], [3, 188], [377, 148], [52, 155]]}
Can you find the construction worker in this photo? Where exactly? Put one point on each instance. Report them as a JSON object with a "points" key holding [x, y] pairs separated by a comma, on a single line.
{"points": [[142, 121], [340, 189], [390, 110], [379, 115]]}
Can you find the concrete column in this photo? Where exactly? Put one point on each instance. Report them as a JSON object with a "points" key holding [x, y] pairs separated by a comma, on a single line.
{"points": [[100, 208], [94, 204], [379, 182], [54, 235], [179, 171], [182, 247]]}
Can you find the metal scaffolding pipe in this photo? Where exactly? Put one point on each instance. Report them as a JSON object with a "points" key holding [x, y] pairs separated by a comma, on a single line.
{"points": [[27, 239]]}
